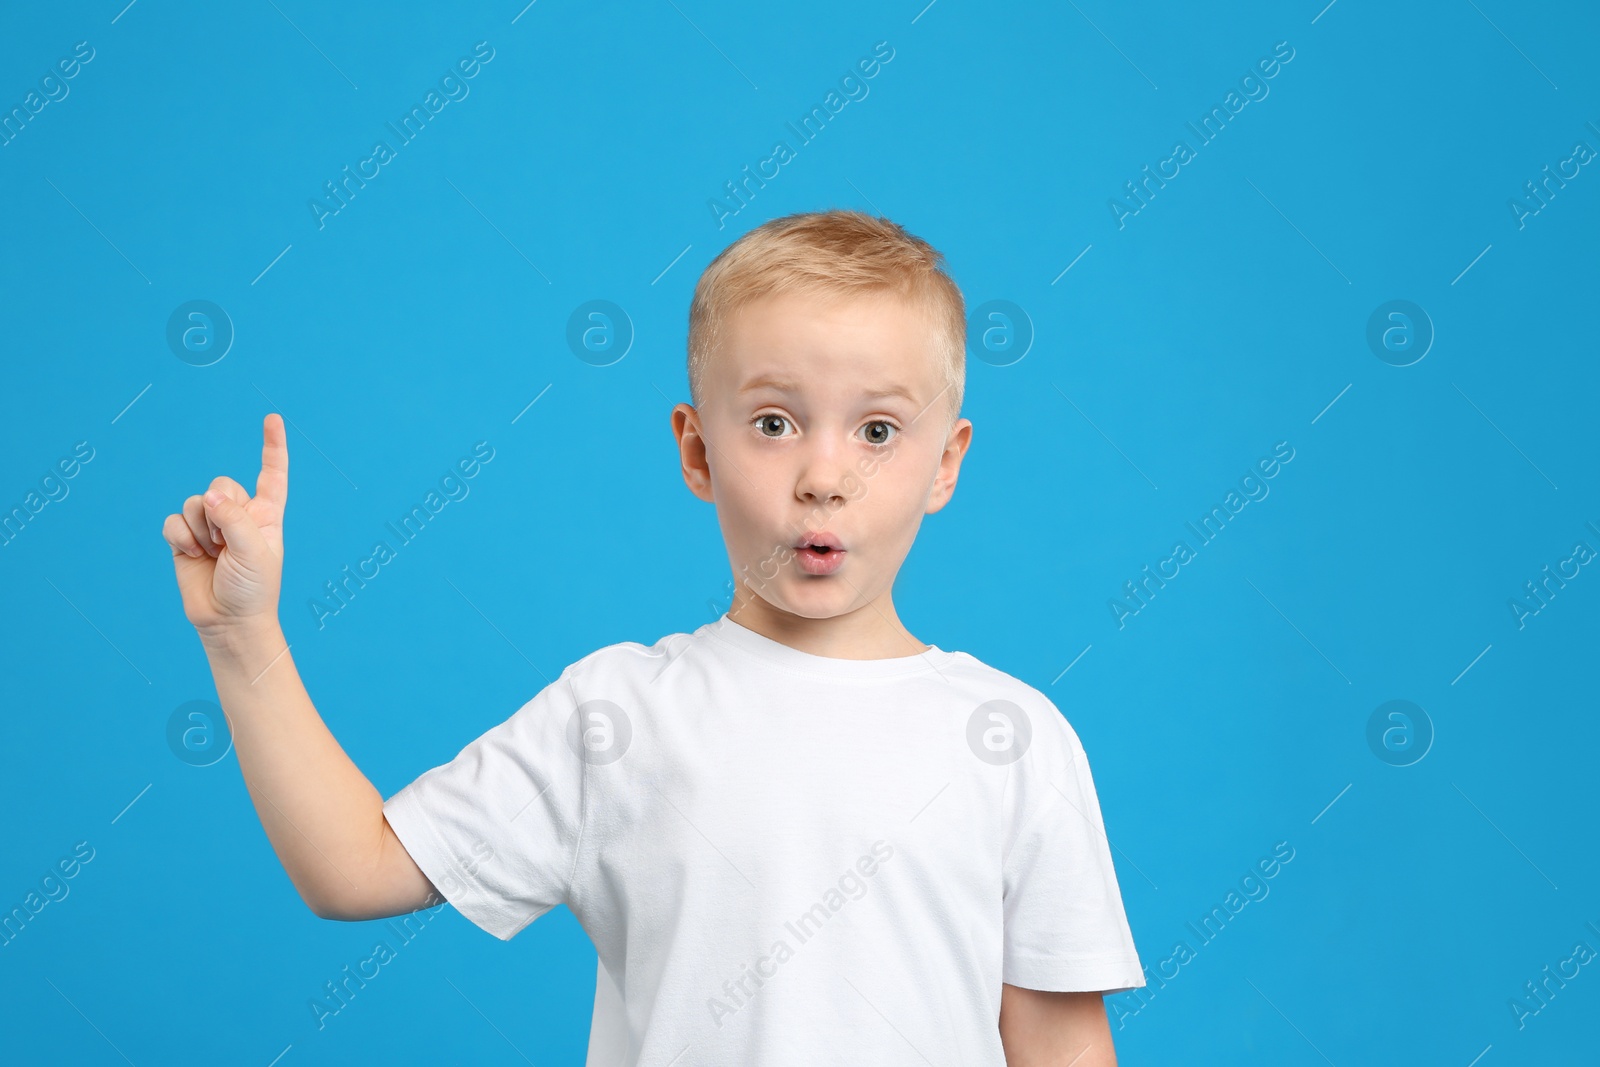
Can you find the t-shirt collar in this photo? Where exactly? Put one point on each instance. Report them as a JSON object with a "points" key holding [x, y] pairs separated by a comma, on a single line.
{"points": [[779, 654]]}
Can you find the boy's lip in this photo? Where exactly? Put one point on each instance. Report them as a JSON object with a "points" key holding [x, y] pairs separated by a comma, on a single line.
{"points": [[821, 538], [812, 560]]}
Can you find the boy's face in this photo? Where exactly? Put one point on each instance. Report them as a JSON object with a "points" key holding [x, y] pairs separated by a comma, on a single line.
{"points": [[802, 428]]}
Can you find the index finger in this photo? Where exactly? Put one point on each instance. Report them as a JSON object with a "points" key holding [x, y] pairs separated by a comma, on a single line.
{"points": [[273, 481]]}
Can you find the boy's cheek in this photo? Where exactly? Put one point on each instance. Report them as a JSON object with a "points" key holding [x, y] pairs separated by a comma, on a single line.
{"points": [[769, 566]]}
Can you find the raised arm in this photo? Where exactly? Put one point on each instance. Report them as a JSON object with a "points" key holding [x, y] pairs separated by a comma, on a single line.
{"points": [[323, 817]]}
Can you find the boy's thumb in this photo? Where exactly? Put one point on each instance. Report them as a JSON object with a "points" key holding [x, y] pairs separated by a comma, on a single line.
{"points": [[238, 528]]}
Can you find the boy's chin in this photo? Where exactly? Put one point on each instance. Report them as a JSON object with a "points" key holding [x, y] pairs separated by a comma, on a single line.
{"points": [[817, 598]]}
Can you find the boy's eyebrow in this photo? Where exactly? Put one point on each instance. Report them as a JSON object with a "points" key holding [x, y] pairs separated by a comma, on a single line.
{"points": [[784, 385]]}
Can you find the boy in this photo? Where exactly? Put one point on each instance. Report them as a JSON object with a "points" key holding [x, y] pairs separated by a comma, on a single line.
{"points": [[797, 835]]}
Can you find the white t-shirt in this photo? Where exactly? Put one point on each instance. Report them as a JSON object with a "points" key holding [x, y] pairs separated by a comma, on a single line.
{"points": [[784, 858]]}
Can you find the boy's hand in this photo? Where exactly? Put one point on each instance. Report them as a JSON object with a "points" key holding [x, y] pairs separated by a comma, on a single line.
{"points": [[228, 552]]}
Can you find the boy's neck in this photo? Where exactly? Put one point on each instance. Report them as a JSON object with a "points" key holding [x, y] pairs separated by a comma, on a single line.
{"points": [[873, 631]]}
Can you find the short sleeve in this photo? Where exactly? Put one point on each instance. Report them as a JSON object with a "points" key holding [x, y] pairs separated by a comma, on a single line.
{"points": [[496, 829], [1065, 927]]}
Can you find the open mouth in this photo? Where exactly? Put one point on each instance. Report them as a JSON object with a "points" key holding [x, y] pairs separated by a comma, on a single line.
{"points": [[819, 553], [819, 542]]}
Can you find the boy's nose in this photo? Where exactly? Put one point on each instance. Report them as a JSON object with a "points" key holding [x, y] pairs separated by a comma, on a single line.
{"points": [[822, 473]]}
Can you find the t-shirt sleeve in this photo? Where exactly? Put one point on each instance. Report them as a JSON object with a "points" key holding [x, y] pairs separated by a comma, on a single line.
{"points": [[496, 829], [1065, 928]]}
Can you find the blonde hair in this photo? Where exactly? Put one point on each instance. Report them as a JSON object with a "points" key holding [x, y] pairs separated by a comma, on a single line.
{"points": [[830, 254]]}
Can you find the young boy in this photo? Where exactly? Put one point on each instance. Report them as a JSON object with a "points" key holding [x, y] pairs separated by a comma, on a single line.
{"points": [[796, 835]]}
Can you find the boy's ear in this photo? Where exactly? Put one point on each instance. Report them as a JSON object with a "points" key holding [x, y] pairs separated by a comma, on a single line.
{"points": [[955, 449], [692, 451]]}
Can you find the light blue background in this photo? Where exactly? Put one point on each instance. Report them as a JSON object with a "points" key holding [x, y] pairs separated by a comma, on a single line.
{"points": [[1223, 318]]}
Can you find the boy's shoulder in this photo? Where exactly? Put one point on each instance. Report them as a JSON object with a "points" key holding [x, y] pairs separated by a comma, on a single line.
{"points": [[985, 673], [622, 656], [963, 666], [973, 684], [992, 684]]}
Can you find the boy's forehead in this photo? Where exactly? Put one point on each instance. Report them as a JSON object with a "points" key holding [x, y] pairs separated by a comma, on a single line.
{"points": [[869, 386], [882, 345]]}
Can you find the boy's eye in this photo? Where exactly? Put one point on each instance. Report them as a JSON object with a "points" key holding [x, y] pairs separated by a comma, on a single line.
{"points": [[880, 432], [765, 422]]}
